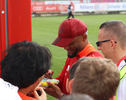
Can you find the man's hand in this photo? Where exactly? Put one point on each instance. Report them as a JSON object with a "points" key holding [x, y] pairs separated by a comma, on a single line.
{"points": [[49, 74], [53, 90]]}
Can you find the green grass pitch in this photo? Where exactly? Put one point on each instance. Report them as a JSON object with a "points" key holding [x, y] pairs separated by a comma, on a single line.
{"points": [[45, 30]]}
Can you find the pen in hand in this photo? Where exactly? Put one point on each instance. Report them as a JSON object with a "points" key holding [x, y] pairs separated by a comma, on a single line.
{"points": [[50, 76]]}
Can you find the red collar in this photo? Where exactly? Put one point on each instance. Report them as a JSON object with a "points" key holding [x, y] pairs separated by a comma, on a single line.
{"points": [[121, 60], [88, 49]]}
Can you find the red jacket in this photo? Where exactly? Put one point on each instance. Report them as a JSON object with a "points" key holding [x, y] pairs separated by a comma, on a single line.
{"points": [[88, 51]]}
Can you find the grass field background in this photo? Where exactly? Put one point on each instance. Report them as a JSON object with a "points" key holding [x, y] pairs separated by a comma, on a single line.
{"points": [[45, 30]]}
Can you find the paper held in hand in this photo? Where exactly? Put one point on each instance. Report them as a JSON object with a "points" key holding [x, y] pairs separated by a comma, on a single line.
{"points": [[45, 84]]}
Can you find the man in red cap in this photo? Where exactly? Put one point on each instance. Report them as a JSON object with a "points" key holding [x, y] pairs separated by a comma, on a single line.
{"points": [[73, 37], [70, 10]]}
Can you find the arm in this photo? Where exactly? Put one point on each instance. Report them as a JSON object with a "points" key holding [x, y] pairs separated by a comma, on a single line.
{"points": [[72, 10], [62, 75], [53, 90]]}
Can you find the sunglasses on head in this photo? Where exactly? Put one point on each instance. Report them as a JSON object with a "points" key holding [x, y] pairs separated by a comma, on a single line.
{"points": [[99, 42]]}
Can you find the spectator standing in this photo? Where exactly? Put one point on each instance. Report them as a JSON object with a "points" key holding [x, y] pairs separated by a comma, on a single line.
{"points": [[112, 43], [70, 10], [73, 37]]}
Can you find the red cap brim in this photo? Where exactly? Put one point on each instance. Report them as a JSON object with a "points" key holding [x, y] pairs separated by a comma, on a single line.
{"points": [[62, 42]]}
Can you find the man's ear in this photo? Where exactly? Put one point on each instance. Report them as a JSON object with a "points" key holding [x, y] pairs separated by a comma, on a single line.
{"points": [[70, 85], [112, 98], [84, 37], [67, 85], [113, 44]]}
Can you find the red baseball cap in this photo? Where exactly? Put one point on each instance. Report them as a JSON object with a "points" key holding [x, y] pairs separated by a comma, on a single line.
{"points": [[68, 30]]}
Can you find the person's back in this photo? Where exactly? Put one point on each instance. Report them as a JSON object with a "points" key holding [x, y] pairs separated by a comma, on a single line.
{"points": [[97, 77], [24, 66], [69, 8]]}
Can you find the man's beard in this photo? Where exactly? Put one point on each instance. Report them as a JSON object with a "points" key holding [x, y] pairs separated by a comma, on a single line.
{"points": [[73, 55]]}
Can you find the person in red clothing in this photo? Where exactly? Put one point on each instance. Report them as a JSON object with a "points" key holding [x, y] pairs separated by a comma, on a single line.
{"points": [[24, 67], [73, 37]]}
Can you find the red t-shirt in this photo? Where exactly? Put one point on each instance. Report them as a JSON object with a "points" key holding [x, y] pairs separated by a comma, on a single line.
{"points": [[88, 51]]}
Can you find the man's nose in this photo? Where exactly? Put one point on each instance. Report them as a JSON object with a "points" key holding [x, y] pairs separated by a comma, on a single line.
{"points": [[98, 48]]}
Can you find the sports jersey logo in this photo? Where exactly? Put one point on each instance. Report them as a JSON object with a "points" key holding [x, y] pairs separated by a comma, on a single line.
{"points": [[67, 69]]}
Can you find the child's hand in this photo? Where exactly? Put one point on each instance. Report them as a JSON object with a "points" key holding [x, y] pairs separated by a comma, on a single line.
{"points": [[41, 96]]}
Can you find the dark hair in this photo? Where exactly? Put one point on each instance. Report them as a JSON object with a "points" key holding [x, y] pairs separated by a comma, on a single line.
{"points": [[24, 63], [74, 67]]}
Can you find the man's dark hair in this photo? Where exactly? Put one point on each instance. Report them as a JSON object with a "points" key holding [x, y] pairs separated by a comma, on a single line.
{"points": [[74, 67], [24, 63]]}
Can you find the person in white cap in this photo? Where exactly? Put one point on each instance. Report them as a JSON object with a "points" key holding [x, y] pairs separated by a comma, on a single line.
{"points": [[73, 37], [70, 10], [112, 43], [22, 69]]}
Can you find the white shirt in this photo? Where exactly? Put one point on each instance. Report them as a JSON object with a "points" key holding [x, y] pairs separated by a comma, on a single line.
{"points": [[121, 91], [69, 10], [8, 91]]}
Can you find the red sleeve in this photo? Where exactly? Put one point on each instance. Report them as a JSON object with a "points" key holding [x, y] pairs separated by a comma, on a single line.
{"points": [[0, 71], [62, 75], [95, 54]]}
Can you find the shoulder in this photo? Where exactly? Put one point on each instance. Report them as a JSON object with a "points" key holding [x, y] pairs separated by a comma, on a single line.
{"points": [[95, 54], [121, 90], [24, 97]]}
